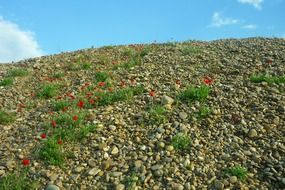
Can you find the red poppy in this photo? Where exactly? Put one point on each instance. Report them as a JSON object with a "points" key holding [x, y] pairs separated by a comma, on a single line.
{"points": [[64, 109], [178, 82], [91, 101], [59, 141], [110, 89], [26, 162], [122, 83], [43, 136], [59, 97], [80, 104], [75, 118], [152, 93], [101, 84], [53, 123], [208, 81]]}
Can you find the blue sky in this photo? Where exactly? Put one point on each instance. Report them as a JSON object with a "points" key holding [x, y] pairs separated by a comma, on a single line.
{"points": [[30, 28]]}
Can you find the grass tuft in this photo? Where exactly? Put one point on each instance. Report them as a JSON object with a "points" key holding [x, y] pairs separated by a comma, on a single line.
{"points": [[181, 141], [8, 81], [6, 117], [48, 91], [17, 73], [258, 78], [191, 94], [238, 171], [157, 115]]}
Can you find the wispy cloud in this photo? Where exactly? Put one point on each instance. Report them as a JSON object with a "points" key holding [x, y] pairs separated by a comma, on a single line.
{"points": [[250, 27], [219, 20], [16, 44], [255, 3]]}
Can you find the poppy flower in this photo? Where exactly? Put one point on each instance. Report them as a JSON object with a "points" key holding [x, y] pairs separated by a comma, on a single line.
{"points": [[80, 104], [59, 141], [89, 94], [43, 136], [110, 89], [53, 123], [152, 93], [91, 101], [101, 84], [122, 83], [64, 109], [208, 81], [26, 162], [75, 118], [269, 61], [178, 82]]}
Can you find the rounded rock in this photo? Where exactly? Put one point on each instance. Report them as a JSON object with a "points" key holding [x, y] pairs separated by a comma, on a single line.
{"points": [[52, 187]]}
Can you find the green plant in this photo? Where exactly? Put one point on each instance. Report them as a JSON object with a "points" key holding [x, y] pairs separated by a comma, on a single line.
{"points": [[101, 76], [60, 105], [181, 141], [257, 78], [58, 75], [204, 112], [238, 171], [51, 152], [85, 66], [6, 81], [191, 94], [85, 130], [131, 181], [157, 114], [17, 73], [18, 180], [188, 50], [48, 91], [6, 117]]}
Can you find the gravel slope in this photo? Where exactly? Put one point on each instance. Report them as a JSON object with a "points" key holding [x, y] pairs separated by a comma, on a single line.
{"points": [[246, 126]]}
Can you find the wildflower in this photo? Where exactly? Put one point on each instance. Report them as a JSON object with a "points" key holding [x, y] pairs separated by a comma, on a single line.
{"points": [[43, 136], [152, 93], [80, 104], [59, 141], [101, 84], [53, 123], [64, 109], [26, 162], [122, 83], [75, 118], [89, 94], [178, 82], [91, 101], [208, 81]]}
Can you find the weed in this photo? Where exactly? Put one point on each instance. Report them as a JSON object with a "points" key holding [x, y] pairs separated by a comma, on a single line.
{"points": [[181, 141], [60, 105], [191, 94], [238, 171], [17, 181], [257, 78], [188, 50], [101, 76], [6, 81], [131, 181], [203, 112], [85, 66], [157, 115], [6, 117], [48, 91], [84, 131], [17, 73], [51, 152], [58, 75]]}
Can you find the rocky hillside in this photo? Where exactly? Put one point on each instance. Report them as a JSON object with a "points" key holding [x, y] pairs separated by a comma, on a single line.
{"points": [[182, 116]]}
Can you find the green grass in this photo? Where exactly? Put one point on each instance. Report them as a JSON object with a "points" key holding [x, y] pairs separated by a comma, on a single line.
{"points": [[60, 105], [51, 152], [203, 112], [181, 141], [17, 73], [257, 78], [101, 76], [17, 181], [85, 130], [7, 81], [6, 117], [238, 171], [192, 93], [189, 50], [85, 66], [157, 115], [131, 181], [58, 75], [48, 91]]}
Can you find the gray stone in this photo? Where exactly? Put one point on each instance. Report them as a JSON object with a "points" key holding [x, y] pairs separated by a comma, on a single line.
{"points": [[218, 185], [178, 186], [120, 187], [94, 171], [183, 115], [78, 169], [115, 150], [52, 187], [112, 127], [166, 100], [252, 133], [233, 179], [53, 177]]}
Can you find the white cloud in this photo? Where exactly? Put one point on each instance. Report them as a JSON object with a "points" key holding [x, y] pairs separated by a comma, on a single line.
{"points": [[250, 26], [218, 20], [255, 3], [16, 44]]}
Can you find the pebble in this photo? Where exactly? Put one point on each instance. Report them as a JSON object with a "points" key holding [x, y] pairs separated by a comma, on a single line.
{"points": [[252, 133], [166, 100], [106, 164], [218, 185], [78, 169], [178, 186], [52, 187], [115, 151], [53, 177], [120, 187], [93, 171], [183, 115], [233, 179], [169, 148], [112, 127]]}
